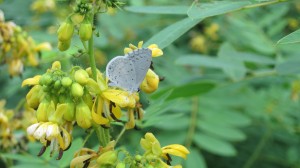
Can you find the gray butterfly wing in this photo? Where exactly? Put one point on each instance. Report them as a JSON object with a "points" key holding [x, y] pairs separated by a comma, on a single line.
{"points": [[121, 73], [141, 59]]}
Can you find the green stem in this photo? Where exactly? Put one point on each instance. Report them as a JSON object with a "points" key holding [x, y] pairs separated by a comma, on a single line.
{"points": [[102, 134], [193, 122], [120, 135], [87, 137], [258, 149]]}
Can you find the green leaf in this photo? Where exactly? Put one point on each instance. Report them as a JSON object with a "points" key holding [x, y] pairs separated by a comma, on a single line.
{"points": [[227, 118], [220, 130], [186, 90], [228, 53], [23, 158], [205, 61], [214, 145], [291, 38], [175, 10], [290, 67], [195, 160], [169, 34], [203, 10]]}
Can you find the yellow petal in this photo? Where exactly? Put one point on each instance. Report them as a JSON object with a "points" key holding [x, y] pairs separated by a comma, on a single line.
{"points": [[97, 116], [79, 160], [177, 147], [127, 50], [43, 46], [156, 52], [32, 81], [120, 97], [140, 44], [174, 152]]}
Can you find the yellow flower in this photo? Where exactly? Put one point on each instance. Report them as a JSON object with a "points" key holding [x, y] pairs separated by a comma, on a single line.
{"points": [[53, 135], [153, 150], [198, 43], [42, 6], [156, 51], [15, 67], [150, 83], [212, 31]]}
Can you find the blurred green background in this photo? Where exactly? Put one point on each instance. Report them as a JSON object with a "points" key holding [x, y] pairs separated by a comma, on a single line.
{"points": [[230, 93]]}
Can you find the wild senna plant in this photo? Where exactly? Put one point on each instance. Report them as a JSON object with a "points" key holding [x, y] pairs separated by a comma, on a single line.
{"points": [[85, 97]]}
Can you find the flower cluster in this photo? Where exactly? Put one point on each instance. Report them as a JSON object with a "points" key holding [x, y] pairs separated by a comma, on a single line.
{"points": [[154, 155], [42, 6], [17, 48], [81, 19]]}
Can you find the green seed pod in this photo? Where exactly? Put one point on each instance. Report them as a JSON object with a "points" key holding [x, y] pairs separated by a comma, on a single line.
{"points": [[81, 76], [64, 45], [85, 30], [66, 81], [76, 90], [65, 31]]}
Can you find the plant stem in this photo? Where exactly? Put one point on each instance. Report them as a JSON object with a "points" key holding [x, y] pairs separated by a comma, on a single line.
{"points": [[258, 149], [102, 134], [120, 135], [193, 122]]}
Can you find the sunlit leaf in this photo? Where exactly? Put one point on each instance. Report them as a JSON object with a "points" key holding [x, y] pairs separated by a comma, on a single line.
{"points": [[291, 38]]}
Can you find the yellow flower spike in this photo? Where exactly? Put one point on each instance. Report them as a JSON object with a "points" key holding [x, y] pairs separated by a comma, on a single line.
{"points": [[150, 83], [46, 46], [131, 122], [156, 52], [127, 50], [32, 81], [97, 116], [78, 161], [120, 98], [140, 44], [56, 65]]}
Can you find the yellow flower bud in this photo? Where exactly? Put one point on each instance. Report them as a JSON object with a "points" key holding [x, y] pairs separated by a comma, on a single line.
{"points": [[92, 86], [56, 65], [33, 97], [69, 114], [83, 115], [85, 30], [65, 31], [81, 76], [77, 18], [107, 158], [76, 90], [32, 81], [64, 45], [121, 165], [66, 81], [41, 113], [150, 83]]}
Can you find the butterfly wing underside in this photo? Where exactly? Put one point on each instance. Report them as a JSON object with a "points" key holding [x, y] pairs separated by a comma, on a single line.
{"points": [[121, 73]]}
